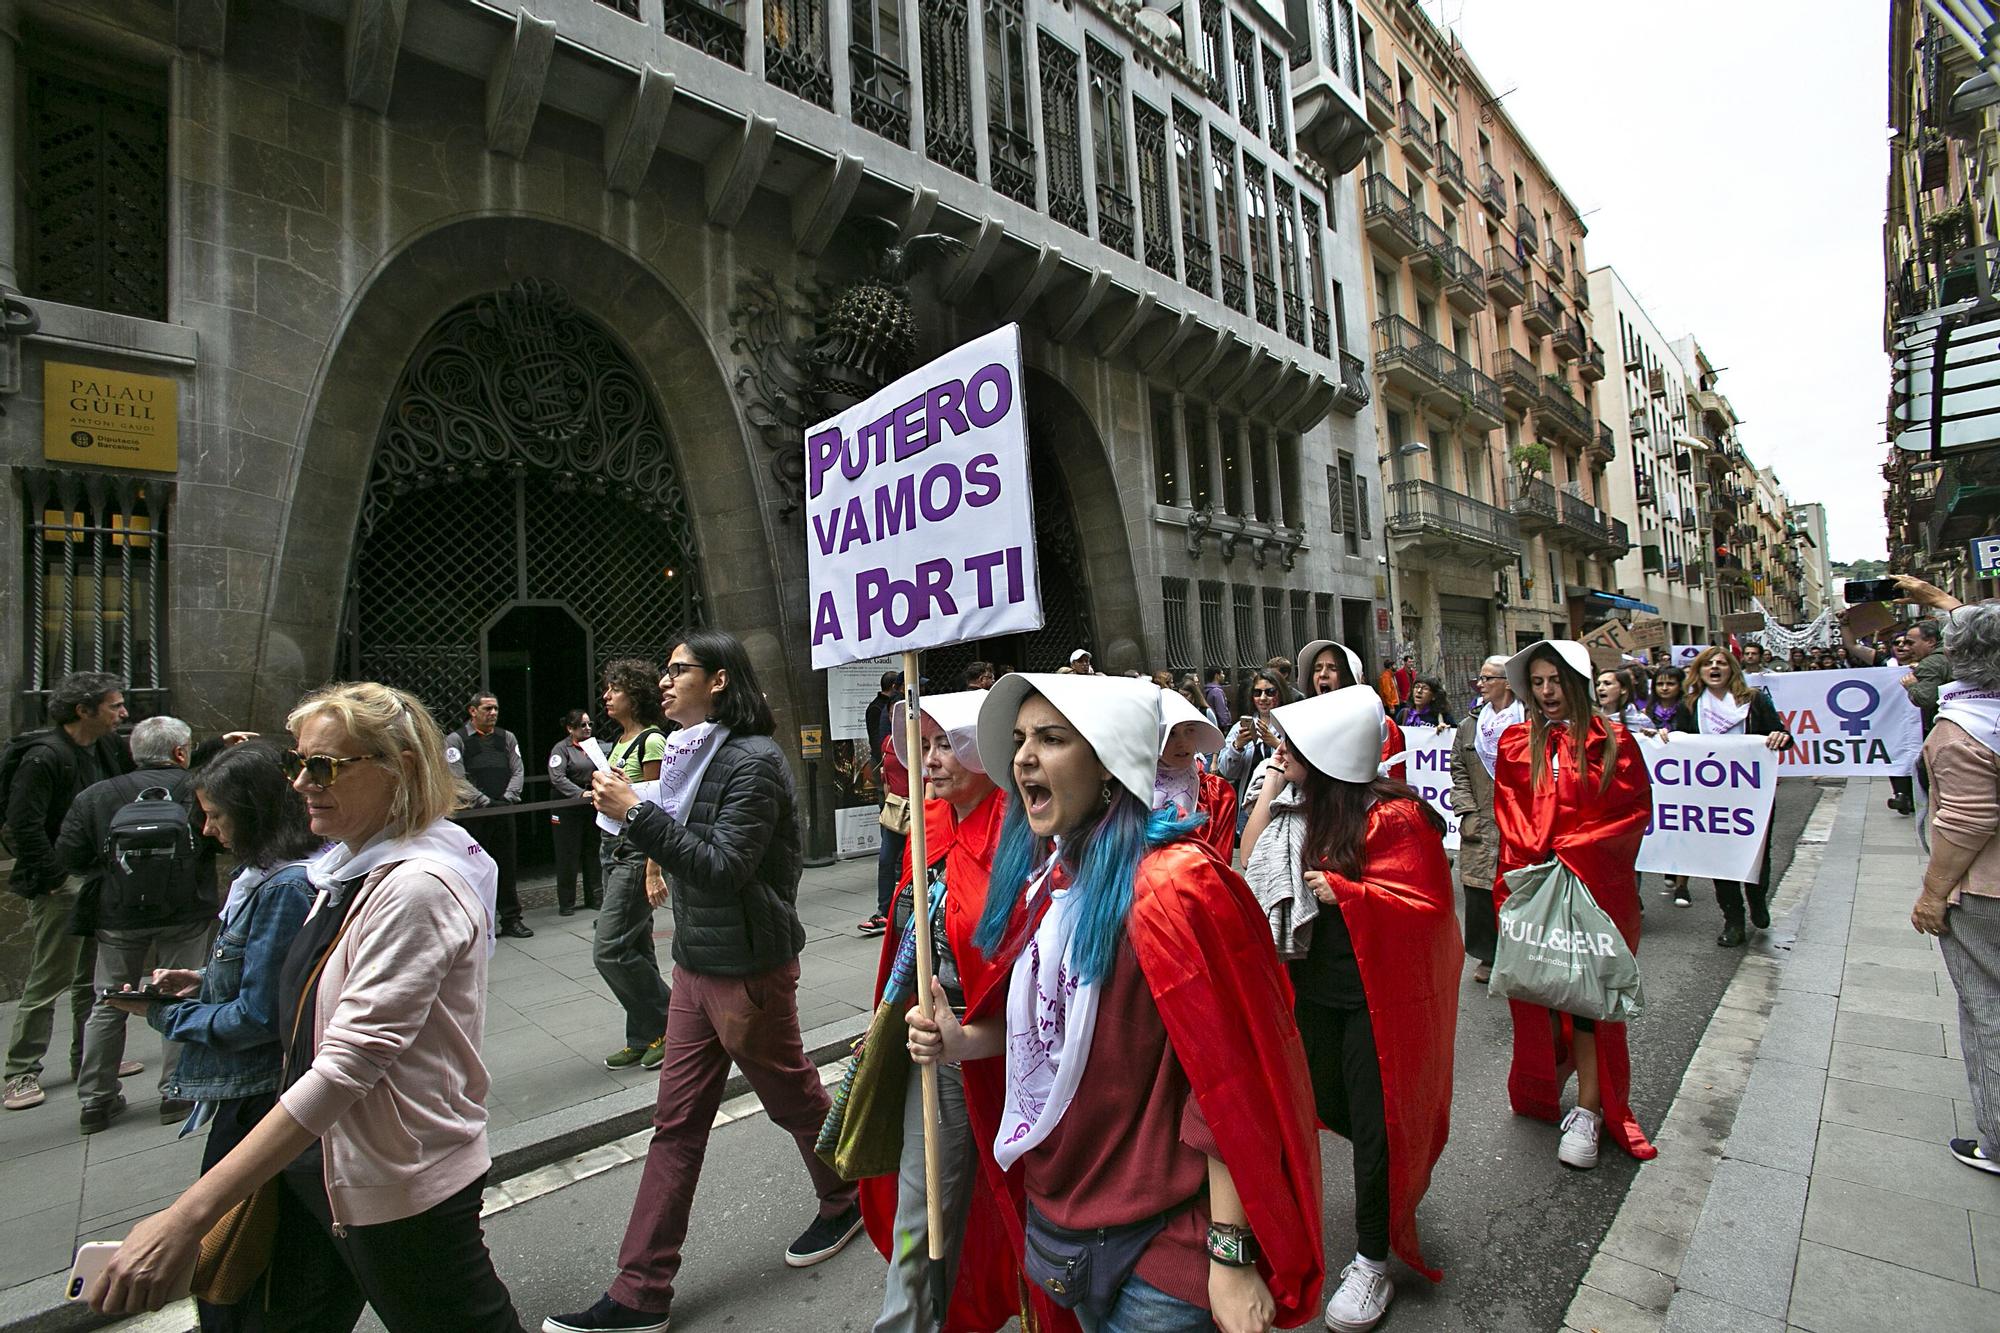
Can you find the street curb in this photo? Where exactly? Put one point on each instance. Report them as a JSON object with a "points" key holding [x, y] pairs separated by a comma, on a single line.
{"points": [[1635, 1275], [39, 1306]]}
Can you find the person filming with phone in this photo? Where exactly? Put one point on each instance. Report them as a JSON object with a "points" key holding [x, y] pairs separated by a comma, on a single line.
{"points": [[1249, 744]]}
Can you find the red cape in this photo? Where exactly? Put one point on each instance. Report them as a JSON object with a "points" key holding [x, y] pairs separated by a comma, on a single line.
{"points": [[989, 1289], [1597, 835], [1218, 802], [1393, 744], [1402, 920], [1205, 949]]}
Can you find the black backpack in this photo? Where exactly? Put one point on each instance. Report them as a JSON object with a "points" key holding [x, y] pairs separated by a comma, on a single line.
{"points": [[152, 863], [17, 750]]}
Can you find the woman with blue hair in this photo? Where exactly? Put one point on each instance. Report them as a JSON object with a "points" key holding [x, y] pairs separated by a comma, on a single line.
{"points": [[1156, 1097]]}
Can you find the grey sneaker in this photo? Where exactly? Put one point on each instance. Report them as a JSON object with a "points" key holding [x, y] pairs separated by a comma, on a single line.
{"points": [[23, 1091]]}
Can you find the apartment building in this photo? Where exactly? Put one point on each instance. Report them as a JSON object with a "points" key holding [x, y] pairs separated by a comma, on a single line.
{"points": [[493, 334], [1486, 362], [1653, 484], [1809, 524], [1939, 236]]}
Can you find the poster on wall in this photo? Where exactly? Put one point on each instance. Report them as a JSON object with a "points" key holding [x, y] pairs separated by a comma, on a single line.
{"points": [[857, 831]]}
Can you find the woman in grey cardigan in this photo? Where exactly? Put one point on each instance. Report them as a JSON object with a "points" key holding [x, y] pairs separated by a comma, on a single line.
{"points": [[1472, 756]]}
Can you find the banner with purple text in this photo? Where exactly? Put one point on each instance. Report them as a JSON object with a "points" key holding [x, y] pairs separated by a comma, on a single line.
{"points": [[1429, 767], [1859, 722], [1711, 804], [920, 526]]}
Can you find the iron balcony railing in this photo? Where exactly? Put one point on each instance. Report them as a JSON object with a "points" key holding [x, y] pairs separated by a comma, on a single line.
{"points": [[1592, 367], [1383, 202], [1352, 393], [1295, 317], [1376, 80], [1560, 408], [1415, 134], [1425, 506], [1524, 224], [1322, 331], [706, 29], [1401, 345], [1450, 170], [1267, 300], [881, 94], [1533, 498], [1504, 275], [1543, 309], [1492, 188], [1233, 289], [1518, 378], [1114, 218], [1586, 519]]}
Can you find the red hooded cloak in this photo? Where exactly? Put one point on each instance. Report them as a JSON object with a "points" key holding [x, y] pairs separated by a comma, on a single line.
{"points": [[1597, 835], [1402, 921], [1204, 948], [989, 1289], [1218, 802]]}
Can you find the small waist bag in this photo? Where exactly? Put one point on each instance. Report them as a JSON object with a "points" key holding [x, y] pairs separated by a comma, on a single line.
{"points": [[1088, 1268]]}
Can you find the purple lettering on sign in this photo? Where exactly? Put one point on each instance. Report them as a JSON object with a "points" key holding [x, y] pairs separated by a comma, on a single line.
{"points": [[994, 378]]}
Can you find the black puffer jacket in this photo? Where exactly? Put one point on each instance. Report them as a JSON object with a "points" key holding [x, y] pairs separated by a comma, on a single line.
{"points": [[734, 866]]}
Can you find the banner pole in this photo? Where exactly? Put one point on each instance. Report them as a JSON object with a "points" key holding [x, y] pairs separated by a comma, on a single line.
{"points": [[920, 899]]}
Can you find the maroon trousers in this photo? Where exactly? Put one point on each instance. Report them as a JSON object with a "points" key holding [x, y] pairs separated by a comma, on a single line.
{"points": [[711, 1021]]}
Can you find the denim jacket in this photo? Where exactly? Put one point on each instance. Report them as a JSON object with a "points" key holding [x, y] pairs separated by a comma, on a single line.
{"points": [[232, 1026]]}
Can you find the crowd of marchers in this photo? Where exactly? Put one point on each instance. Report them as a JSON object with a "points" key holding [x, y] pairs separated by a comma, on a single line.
{"points": [[1170, 947]]}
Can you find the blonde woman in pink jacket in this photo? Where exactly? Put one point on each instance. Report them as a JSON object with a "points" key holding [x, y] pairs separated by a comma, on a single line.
{"points": [[377, 1146]]}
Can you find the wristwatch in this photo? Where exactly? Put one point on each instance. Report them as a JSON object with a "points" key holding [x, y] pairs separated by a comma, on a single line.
{"points": [[1231, 1246]]}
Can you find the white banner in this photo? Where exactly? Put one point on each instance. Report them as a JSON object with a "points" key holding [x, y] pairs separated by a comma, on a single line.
{"points": [[920, 526], [1853, 723], [1711, 804], [1429, 761], [1711, 799]]}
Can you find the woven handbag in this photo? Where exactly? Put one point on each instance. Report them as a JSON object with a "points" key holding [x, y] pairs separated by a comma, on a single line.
{"points": [[863, 1133]]}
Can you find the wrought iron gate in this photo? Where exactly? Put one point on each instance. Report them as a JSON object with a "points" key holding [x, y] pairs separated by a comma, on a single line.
{"points": [[521, 460]]}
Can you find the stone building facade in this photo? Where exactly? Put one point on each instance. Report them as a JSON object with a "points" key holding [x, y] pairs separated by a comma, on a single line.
{"points": [[493, 329], [1485, 362]]}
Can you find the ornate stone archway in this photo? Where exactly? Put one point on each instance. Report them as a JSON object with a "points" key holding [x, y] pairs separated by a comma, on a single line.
{"points": [[671, 354]]}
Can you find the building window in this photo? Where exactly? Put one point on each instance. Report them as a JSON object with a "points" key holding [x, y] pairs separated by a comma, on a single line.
{"points": [[1290, 281], [1274, 100], [1265, 277], [1155, 202], [1346, 499], [1107, 139], [1174, 602], [95, 195], [1214, 58], [795, 49], [1214, 642], [1232, 466], [1260, 475], [1290, 501], [947, 89], [1228, 221], [1243, 602], [1061, 133], [1010, 143], [1166, 451], [97, 579], [1247, 91], [1195, 252], [1274, 622], [881, 93], [1195, 418], [1349, 63], [1323, 615], [1300, 632]]}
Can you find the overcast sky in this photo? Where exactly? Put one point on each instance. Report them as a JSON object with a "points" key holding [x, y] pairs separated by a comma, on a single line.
{"points": [[1736, 156]]}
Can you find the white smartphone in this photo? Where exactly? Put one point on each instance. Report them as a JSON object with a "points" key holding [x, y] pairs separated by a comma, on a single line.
{"points": [[92, 1257]]}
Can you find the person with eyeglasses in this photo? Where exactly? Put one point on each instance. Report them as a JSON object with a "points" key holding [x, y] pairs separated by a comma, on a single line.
{"points": [[621, 938], [725, 829], [377, 1143], [1474, 752], [1253, 740]]}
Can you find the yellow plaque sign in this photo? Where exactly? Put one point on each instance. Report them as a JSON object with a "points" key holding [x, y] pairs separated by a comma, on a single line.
{"points": [[109, 418]]}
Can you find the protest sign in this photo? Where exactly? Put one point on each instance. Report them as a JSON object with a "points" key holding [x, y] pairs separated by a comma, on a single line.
{"points": [[920, 525], [1649, 633], [1743, 622], [1711, 805], [1608, 644], [1858, 722], [1685, 653], [1429, 766]]}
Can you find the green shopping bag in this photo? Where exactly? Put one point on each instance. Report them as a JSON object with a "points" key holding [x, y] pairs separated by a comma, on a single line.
{"points": [[1559, 949]]}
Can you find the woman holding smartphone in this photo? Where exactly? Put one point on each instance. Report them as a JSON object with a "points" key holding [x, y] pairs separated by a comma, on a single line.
{"points": [[1252, 740]]}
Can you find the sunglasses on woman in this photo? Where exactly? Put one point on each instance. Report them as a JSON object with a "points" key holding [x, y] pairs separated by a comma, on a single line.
{"points": [[321, 770], [1263, 694]]}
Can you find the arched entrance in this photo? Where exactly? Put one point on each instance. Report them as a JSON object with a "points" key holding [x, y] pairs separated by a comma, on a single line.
{"points": [[523, 521]]}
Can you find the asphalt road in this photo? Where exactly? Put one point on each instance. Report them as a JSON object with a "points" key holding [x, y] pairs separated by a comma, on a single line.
{"points": [[1512, 1229]]}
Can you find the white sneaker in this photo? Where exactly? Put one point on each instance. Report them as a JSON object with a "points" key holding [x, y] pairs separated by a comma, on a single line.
{"points": [[1363, 1298], [1579, 1141]]}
